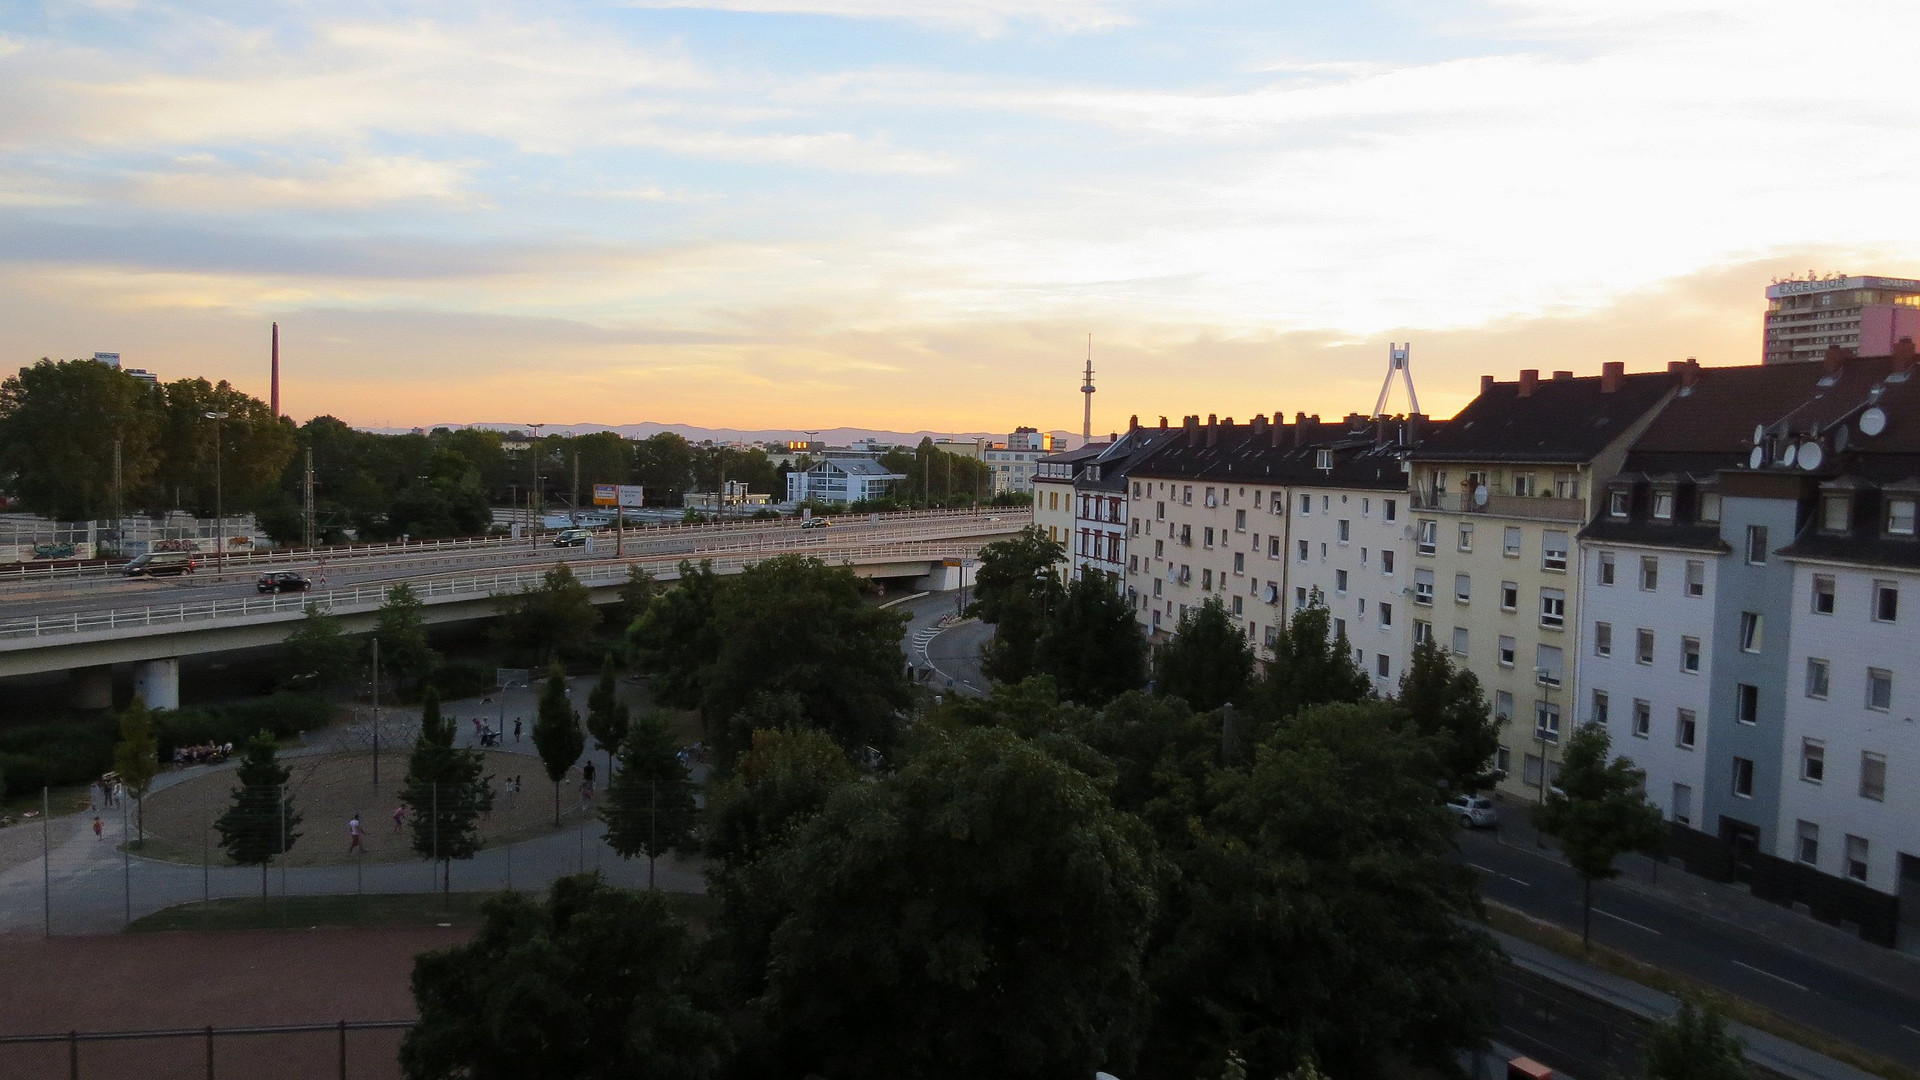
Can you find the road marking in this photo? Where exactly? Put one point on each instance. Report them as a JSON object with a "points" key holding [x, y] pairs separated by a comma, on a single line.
{"points": [[1483, 869], [1770, 975], [1629, 922], [1910, 1027]]}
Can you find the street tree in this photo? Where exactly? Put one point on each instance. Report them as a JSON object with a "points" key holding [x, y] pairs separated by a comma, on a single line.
{"points": [[319, 652], [1209, 662], [1311, 666], [1015, 588], [1445, 704], [556, 733], [981, 912], [596, 983], [1598, 811], [663, 464], [59, 424], [1092, 645], [784, 779], [637, 594], [676, 641], [445, 791], [136, 758], [1693, 1044], [550, 619], [259, 825], [252, 446], [402, 634], [649, 808], [1164, 757], [607, 718]]}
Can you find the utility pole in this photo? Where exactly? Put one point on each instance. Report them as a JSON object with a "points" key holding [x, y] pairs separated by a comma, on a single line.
{"points": [[219, 503], [573, 498], [306, 501], [117, 526], [533, 493], [376, 711]]}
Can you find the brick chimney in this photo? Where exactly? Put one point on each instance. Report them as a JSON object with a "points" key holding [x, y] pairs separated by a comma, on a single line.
{"points": [[1562, 376], [1277, 436], [1903, 359], [1690, 373], [1834, 360], [1486, 383], [1213, 429], [1133, 422], [1163, 423], [1610, 373], [1190, 427], [1259, 424], [1416, 428], [1674, 366], [1529, 378]]}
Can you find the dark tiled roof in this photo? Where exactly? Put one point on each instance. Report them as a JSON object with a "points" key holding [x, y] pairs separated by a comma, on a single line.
{"points": [[1563, 420], [1117, 459], [1247, 454]]}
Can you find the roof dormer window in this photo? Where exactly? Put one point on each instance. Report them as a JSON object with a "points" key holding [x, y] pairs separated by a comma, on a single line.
{"points": [[1663, 504], [1900, 514], [1836, 513], [1709, 506], [1617, 502]]}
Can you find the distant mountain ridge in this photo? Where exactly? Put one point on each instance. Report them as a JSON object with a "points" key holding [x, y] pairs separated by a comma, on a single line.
{"points": [[838, 436]]}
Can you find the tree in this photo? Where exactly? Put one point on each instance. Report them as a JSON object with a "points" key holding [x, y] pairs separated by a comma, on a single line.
{"points": [[796, 626], [1694, 1045], [59, 423], [1311, 666], [402, 635], [551, 619], [1597, 811], [252, 446], [556, 733], [782, 781], [649, 808], [319, 651], [1444, 703], [1017, 585], [981, 912], [663, 464], [1092, 646], [637, 594], [136, 757], [1209, 662], [445, 791], [607, 719], [676, 640], [597, 983], [260, 823], [1317, 914]]}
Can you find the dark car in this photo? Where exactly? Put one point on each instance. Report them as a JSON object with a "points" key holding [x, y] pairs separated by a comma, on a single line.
{"points": [[572, 538], [282, 581]]}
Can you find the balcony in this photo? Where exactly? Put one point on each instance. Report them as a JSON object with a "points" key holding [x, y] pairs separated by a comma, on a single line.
{"points": [[1541, 508]]}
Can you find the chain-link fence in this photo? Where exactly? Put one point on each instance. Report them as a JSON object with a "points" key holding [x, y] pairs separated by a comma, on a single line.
{"points": [[343, 1049]]}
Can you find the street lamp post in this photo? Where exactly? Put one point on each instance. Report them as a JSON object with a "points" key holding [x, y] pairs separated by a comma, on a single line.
{"points": [[1540, 675], [533, 495], [219, 501]]}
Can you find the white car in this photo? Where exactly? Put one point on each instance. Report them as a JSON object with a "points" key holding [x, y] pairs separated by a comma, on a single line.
{"points": [[1474, 811]]}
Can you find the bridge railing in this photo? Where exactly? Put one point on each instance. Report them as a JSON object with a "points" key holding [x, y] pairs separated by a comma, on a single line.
{"points": [[436, 590]]}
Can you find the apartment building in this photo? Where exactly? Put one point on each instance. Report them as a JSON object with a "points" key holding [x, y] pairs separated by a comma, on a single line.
{"points": [[1498, 495], [1272, 517], [1866, 316], [1012, 464], [1101, 513], [1053, 499]]}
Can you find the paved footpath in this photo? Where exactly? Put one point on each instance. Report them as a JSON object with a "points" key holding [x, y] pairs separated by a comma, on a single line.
{"points": [[94, 887]]}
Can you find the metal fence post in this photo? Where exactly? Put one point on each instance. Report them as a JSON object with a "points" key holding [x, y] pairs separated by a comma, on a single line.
{"points": [[73, 1055], [343, 1050], [46, 856], [209, 1052]]}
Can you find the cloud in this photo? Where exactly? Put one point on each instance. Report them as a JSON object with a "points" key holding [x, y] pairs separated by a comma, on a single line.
{"points": [[984, 17]]}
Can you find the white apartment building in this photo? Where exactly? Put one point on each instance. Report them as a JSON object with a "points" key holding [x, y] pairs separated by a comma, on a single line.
{"points": [[1012, 464]]}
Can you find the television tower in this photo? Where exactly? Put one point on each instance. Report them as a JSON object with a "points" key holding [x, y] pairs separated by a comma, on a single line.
{"points": [[1399, 361], [1086, 422], [275, 393]]}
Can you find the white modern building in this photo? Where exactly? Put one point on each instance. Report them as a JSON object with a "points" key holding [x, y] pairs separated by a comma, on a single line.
{"points": [[840, 481]]}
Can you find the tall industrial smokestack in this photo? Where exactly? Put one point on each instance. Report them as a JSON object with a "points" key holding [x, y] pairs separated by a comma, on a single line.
{"points": [[276, 371], [1086, 421]]}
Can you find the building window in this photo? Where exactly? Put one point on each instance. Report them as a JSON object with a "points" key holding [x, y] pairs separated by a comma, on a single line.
{"points": [[1423, 587], [1389, 508], [1617, 503], [1686, 726], [1386, 562], [1238, 610], [1873, 776], [1306, 504], [1340, 629], [1643, 646], [1835, 513], [1743, 778], [1696, 578], [1756, 545], [1709, 506], [1642, 717], [1823, 594], [1429, 537], [1818, 675], [1886, 601], [1649, 573], [1807, 850], [1462, 588], [1206, 537], [1386, 615], [1343, 530], [1422, 632], [1600, 707], [1510, 542], [1240, 521], [1663, 505], [1813, 761], [1160, 511], [1683, 804], [1509, 596], [1186, 495], [1750, 631], [1900, 517], [1459, 641], [1606, 568], [1553, 608], [1690, 655], [1273, 547], [1299, 597], [1553, 550], [1546, 721], [1746, 703], [1303, 550], [1239, 562], [1465, 543], [1506, 650], [1340, 581], [1159, 549], [1857, 858], [1602, 639], [1384, 665], [1549, 665], [1502, 706], [1523, 485], [1879, 690], [1206, 577]]}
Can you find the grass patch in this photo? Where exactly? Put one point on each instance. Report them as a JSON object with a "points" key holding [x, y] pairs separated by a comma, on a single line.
{"points": [[1567, 943], [378, 909]]}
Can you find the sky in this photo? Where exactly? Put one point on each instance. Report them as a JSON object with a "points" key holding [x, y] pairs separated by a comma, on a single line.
{"points": [[911, 214]]}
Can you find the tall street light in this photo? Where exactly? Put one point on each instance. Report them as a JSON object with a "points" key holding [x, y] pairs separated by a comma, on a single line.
{"points": [[219, 504], [533, 497]]}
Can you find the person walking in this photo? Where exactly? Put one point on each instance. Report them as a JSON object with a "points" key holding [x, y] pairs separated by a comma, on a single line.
{"points": [[96, 826], [353, 836], [516, 729], [119, 792], [399, 817]]}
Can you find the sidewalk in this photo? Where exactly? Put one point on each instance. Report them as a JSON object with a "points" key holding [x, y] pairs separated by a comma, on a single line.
{"points": [[1729, 903]]}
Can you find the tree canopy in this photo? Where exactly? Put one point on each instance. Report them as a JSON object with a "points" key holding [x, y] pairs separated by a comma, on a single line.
{"points": [[260, 824], [1091, 644], [1598, 812], [1209, 662], [1016, 587], [548, 620], [1444, 703]]}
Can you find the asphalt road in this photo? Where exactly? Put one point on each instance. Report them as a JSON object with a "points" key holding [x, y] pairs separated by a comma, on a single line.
{"points": [[952, 651], [1823, 996]]}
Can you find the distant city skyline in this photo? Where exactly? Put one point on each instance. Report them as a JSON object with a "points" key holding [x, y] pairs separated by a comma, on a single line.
{"points": [[909, 214]]}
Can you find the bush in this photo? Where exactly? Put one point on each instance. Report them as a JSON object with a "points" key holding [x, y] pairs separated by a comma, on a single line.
{"points": [[461, 678], [23, 774], [283, 715], [65, 752]]}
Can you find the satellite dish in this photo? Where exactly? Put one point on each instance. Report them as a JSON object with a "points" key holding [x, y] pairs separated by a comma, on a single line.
{"points": [[1480, 495], [1757, 458], [1811, 455], [1787, 456], [1873, 421], [1759, 432]]}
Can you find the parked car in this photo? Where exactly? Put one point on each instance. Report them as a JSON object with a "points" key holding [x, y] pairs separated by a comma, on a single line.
{"points": [[573, 538], [1474, 811], [280, 581], [816, 523], [159, 563]]}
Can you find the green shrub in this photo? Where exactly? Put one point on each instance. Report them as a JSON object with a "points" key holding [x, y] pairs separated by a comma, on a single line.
{"points": [[23, 774], [462, 677], [284, 715], [65, 752]]}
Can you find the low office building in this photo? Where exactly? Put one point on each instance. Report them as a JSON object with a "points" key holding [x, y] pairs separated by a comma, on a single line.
{"points": [[841, 481], [1011, 464]]}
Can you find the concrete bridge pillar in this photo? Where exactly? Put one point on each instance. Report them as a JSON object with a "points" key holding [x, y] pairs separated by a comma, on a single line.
{"points": [[90, 687], [157, 682]]}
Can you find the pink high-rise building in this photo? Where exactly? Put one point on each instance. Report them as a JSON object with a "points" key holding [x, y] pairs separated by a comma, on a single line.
{"points": [[1863, 315]]}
